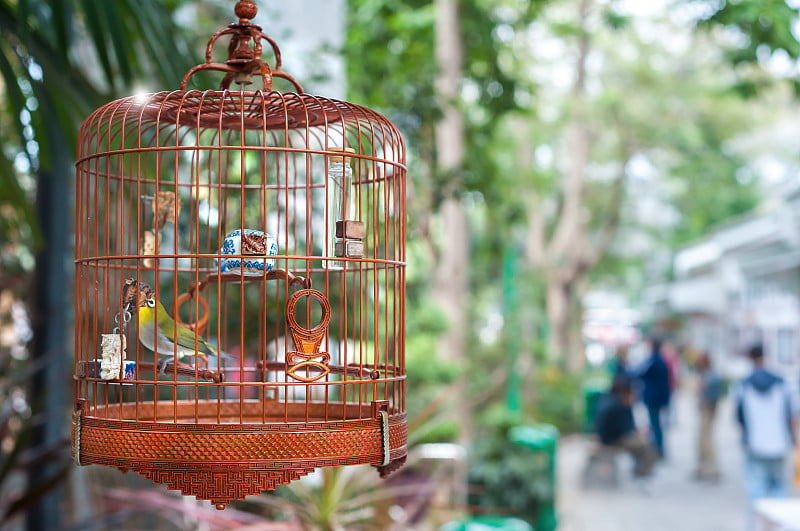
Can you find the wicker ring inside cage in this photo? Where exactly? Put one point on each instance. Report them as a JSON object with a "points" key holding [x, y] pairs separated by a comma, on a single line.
{"points": [[198, 326], [323, 302]]}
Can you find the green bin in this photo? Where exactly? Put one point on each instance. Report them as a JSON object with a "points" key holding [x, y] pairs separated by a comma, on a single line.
{"points": [[487, 523], [592, 391], [541, 438]]}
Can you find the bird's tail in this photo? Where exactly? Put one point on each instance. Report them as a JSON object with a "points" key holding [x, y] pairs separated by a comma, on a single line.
{"points": [[226, 356]]}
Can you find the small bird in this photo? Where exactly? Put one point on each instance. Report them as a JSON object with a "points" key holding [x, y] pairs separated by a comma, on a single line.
{"points": [[158, 331]]}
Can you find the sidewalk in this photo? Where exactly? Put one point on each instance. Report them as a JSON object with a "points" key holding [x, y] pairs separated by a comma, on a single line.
{"points": [[676, 501]]}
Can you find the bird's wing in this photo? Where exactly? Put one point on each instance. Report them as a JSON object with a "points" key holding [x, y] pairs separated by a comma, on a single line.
{"points": [[186, 339]]}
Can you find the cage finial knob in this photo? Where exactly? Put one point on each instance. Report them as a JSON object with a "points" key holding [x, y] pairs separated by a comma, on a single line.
{"points": [[246, 10]]}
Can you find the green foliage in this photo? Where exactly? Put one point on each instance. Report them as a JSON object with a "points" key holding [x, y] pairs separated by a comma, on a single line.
{"points": [[762, 28], [51, 85], [557, 399], [390, 66], [427, 373], [389, 62], [691, 149], [443, 431], [337, 498], [505, 477]]}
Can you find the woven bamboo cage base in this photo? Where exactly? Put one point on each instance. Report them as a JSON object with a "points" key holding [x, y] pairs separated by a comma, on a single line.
{"points": [[201, 449]]}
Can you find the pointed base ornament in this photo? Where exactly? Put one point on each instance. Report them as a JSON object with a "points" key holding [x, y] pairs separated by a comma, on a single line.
{"points": [[219, 484]]}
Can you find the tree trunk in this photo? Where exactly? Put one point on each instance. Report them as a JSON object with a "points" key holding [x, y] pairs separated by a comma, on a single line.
{"points": [[51, 348], [450, 279], [451, 272], [576, 350], [558, 317]]}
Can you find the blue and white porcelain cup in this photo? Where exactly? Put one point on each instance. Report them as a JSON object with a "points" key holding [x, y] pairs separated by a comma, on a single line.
{"points": [[244, 264]]}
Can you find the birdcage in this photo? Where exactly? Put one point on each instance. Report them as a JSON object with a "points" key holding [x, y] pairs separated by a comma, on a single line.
{"points": [[240, 282]]}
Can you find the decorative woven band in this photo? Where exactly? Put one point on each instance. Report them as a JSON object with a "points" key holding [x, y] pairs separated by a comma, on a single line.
{"points": [[103, 440]]}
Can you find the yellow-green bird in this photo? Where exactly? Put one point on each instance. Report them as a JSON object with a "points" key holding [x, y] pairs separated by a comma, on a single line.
{"points": [[159, 332]]}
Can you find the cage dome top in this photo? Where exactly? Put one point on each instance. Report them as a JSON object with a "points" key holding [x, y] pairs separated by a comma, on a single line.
{"points": [[261, 109]]}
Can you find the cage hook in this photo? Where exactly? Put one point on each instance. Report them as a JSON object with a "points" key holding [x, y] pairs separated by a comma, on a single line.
{"points": [[243, 60]]}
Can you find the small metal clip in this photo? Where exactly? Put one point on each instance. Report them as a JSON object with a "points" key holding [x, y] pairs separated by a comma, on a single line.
{"points": [[385, 436], [76, 417]]}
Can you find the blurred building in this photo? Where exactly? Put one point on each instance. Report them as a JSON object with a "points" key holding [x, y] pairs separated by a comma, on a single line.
{"points": [[741, 285], [609, 322]]}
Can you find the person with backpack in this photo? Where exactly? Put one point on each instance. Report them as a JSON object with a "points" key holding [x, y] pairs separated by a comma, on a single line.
{"points": [[710, 391], [764, 411]]}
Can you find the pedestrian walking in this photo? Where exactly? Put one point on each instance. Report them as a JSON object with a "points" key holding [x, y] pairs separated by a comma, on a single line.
{"points": [[709, 393], [654, 376], [764, 410], [672, 357]]}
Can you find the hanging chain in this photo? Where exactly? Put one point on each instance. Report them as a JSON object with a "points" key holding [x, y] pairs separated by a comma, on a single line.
{"points": [[126, 318]]}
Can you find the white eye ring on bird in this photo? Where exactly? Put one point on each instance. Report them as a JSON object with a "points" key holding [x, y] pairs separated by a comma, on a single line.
{"points": [[151, 303]]}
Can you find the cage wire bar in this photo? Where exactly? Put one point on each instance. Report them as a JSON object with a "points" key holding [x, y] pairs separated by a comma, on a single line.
{"points": [[271, 226]]}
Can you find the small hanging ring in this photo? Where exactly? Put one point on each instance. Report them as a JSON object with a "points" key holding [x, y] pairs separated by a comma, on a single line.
{"points": [[200, 325]]}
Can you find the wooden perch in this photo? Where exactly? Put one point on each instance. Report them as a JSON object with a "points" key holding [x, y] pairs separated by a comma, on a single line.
{"points": [[365, 373], [90, 370], [273, 274]]}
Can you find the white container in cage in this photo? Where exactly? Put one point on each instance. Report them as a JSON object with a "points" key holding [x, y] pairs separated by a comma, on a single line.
{"points": [[244, 259]]}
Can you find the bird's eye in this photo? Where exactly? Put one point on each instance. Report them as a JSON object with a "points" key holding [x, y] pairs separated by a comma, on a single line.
{"points": [[151, 303]]}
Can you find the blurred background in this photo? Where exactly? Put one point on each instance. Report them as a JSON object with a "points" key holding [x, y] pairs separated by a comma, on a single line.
{"points": [[584, 174]]}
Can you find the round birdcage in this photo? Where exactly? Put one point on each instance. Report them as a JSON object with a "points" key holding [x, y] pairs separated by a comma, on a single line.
{"points": [[240, 282]]}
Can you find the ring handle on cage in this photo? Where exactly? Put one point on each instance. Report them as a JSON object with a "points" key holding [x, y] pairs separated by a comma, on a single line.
{"points": [[308, 341], [244, 61]]}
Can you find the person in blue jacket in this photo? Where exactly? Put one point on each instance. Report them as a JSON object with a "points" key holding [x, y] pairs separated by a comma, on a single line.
{"points": [[654, 376]]}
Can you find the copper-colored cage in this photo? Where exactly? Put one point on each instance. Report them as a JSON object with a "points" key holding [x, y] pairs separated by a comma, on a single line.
{"points": [[312, 372]]}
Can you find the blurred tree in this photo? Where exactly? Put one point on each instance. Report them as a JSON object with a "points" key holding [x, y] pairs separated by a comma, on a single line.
{"points": [[758, 31], [628, 149], [594, 142], [572, 250], [449, 282], [391, 68]]}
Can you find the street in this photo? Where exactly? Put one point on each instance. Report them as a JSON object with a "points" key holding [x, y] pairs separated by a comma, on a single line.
{"points": [[674, 501]]}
